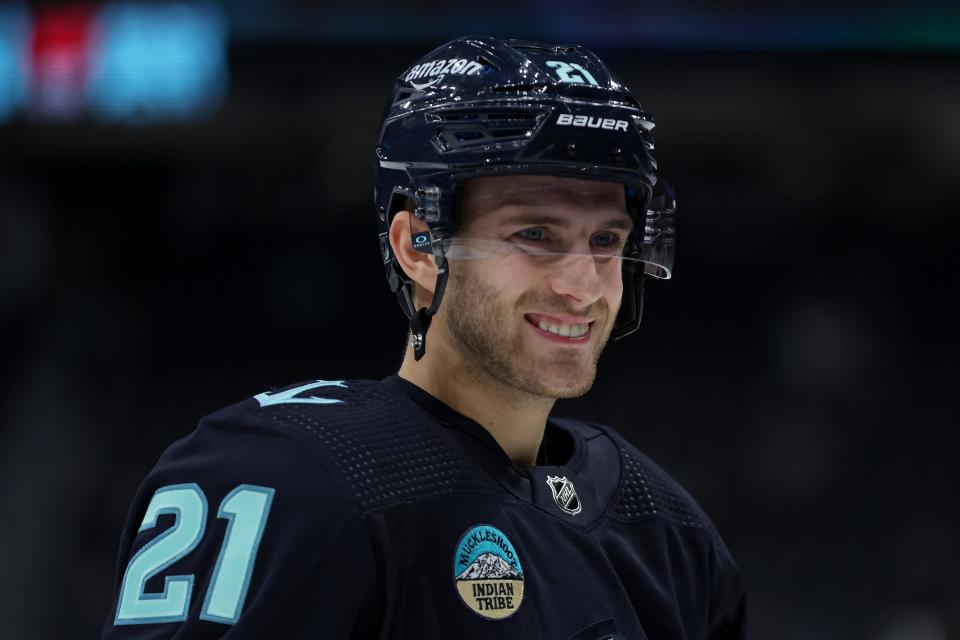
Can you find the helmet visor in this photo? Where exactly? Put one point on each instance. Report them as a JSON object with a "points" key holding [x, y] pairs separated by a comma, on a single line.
{"points": [[549, 220]]}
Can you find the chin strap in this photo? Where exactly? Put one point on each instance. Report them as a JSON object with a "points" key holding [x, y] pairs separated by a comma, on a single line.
{"points": [[420, 318], [420, 321]]}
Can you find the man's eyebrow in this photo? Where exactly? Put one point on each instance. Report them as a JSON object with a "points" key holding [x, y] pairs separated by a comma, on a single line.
{"points": [[536, 218]]}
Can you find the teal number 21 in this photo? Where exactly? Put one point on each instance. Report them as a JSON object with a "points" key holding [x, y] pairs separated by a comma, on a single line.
{"points": [[246, 508]]}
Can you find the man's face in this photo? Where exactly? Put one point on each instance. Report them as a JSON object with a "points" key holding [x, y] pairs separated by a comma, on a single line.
{"points": [[537, 314]]}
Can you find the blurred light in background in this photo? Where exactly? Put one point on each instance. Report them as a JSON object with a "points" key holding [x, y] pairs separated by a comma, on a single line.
{"points": [[14, 29], [123, 62], [58, 61], [154, 62], [845, 25]]}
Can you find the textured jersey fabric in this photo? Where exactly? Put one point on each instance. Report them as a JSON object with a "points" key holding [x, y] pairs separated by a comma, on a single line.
{"points": [[369, 509]]}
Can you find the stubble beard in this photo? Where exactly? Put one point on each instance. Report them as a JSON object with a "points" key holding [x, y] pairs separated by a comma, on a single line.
{"points": [[482, 328]]}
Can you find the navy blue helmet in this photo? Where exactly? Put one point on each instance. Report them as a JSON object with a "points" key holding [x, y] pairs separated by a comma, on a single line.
{"points": [[479, 106]]}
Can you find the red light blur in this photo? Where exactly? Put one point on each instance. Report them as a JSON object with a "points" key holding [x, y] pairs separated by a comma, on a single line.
{"points": [[60, 51]]}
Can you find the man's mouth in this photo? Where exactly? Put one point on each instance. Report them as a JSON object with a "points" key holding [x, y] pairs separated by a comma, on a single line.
{"points": [[566, 327]]}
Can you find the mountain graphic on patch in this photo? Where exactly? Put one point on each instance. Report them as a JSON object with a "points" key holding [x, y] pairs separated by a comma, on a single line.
{"points": [[489, 566]]}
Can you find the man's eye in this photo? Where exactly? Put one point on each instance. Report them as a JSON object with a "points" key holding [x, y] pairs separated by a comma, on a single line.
{"points": [[534, 233], [607, 239]]}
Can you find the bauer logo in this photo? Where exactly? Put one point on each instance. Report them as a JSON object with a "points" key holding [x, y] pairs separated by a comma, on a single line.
{"points": [[430, 73], [570, 120], [487, 573]]}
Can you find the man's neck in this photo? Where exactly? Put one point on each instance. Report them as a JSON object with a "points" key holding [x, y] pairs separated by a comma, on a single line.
{"points": [[515, 419]]}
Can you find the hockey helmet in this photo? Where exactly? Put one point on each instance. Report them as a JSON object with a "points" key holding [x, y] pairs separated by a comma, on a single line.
{"points": [[478, 106]]}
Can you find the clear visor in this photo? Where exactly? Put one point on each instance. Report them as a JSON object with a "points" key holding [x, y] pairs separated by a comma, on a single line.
{"points": [[569, 219]]}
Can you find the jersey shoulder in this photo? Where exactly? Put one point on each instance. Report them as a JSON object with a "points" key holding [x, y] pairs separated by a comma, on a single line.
{"points": [[382, 446], [644, 493], [644, 490], [238, 443], [243, 523]]}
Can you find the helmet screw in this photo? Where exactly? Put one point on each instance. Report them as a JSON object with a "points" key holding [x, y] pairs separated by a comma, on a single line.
{"points": [[572, 150], [618, 155]]}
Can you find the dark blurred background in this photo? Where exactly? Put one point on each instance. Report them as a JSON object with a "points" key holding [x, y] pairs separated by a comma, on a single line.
{"points": [[186, 219]]}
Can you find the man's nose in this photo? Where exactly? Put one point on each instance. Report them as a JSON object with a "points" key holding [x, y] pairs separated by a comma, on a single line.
{"points": [[576, 276]]}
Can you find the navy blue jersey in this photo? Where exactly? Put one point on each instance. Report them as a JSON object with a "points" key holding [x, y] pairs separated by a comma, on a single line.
{"points": [[369, 509]]}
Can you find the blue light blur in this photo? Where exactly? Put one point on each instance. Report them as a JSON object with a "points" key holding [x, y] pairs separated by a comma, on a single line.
{"points": [[154, 62], [14, 32]]}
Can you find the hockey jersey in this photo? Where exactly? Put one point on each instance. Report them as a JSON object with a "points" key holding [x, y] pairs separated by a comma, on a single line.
{"points": [[369, 509]]}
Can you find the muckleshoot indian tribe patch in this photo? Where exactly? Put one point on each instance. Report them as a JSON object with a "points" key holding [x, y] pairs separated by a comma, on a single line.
{"points": [[487, 572]]}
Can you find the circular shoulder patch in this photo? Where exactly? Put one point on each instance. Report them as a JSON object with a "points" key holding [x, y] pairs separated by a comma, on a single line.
{"points": [[487, 573]]}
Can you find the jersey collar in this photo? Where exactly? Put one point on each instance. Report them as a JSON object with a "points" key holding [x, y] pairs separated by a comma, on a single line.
{"points": [[559, 446]]}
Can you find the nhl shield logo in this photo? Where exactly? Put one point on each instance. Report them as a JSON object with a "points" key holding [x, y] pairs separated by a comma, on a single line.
{"points": [[564, 494]]}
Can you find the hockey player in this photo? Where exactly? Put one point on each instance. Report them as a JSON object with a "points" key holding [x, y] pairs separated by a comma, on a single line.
{"points": [[514, 184]]}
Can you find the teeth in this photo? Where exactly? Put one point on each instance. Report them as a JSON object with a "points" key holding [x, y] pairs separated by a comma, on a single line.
{"points": [[565, 330]]}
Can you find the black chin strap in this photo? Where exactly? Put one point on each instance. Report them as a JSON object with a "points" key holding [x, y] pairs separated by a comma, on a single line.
{"points": [[420, 321], [419, 324], [419, 318]]}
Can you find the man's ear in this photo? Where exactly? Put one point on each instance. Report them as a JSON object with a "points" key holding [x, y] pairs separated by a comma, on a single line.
{"points": [[419, 267]]}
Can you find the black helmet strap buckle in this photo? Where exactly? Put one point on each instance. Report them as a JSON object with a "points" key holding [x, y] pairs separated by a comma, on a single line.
{"points": [[420, 320]]}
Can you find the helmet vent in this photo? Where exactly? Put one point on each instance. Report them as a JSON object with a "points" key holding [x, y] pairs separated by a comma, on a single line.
{"points": [[458, 117], [463, 130], [511, 115], [508, 133], [467, 136], [586, 92], [402, 95], [488, 65]]}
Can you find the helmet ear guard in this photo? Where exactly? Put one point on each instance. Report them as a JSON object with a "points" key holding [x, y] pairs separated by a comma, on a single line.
{"points": [[400, 284]]}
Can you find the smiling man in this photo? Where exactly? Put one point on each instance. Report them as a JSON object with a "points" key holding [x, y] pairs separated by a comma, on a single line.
{"points": [[520, 214]]}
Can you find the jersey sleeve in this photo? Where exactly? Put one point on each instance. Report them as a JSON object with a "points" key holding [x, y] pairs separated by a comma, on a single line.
{"points": [[728, 602], [243, 530]]}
